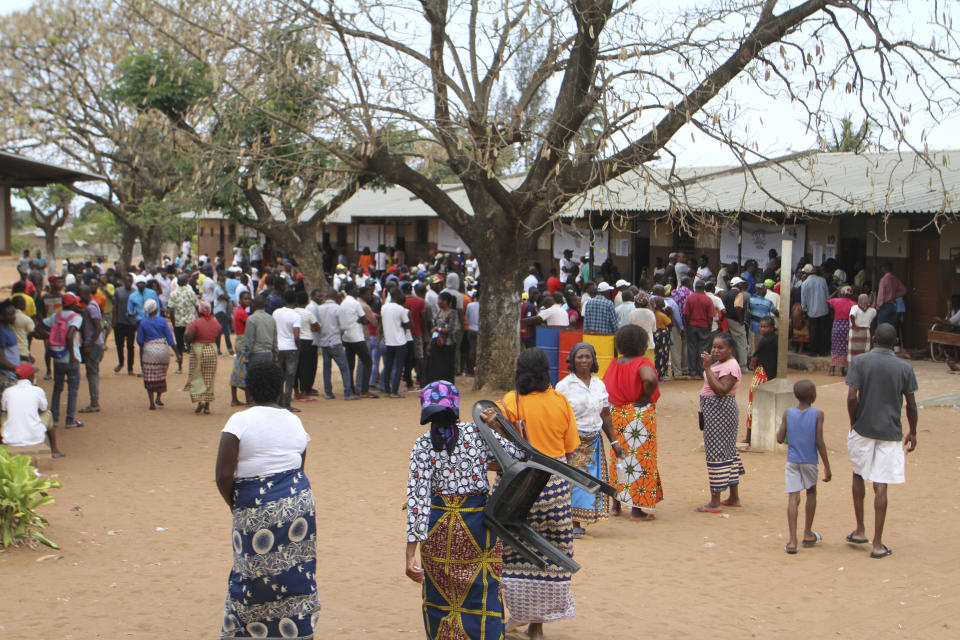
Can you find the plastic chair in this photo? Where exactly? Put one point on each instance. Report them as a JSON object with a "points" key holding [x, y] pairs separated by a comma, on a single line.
{"points": [[520, 486]]}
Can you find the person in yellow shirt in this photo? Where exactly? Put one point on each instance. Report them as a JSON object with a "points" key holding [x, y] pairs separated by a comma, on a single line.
{"points": [[19, 290], [104, 298]]}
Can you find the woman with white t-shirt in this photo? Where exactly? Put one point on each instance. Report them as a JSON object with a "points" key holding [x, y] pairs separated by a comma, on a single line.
{"points": [[272, 590]]}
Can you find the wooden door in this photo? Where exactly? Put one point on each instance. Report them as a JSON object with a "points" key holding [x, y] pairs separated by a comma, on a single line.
{"points": [[923, 290]]}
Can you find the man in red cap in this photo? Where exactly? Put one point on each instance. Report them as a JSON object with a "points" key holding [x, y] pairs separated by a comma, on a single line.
{"points": [[26, 419], [50, 303], [63, 341]]}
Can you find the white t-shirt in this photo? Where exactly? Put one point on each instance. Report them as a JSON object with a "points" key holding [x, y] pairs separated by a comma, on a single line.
{"points": [[567, 270], [860, 318], [392, 316], [208, 290], [23, 403], [271, 440], [643, 317], [350, 313], [287, 320], [530, 282], [555, 316], [472, 267], [306, 320]]}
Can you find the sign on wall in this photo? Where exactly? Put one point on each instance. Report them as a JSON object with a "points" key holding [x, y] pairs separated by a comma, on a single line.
{"points": [[448, 240], [577, 239], [758, 239]]}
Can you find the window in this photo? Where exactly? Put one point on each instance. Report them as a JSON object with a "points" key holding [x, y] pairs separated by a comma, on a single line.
{"points": [[422, 227]]}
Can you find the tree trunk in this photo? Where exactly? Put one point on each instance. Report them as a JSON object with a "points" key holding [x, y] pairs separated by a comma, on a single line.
{"points": [[50, 242], [127, 239], [503, 264], [309, 260], [151, 244]]}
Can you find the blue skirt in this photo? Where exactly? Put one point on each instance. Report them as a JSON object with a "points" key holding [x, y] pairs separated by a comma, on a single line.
{"points": [[272, 591], [462, 561], [586, 507]]}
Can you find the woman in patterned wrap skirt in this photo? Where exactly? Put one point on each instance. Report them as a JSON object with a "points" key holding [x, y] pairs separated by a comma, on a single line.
{"points": [[446, 492], [272, 590], [718, 407], [534, 595]]}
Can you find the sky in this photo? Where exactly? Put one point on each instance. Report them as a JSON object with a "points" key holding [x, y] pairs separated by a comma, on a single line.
{"points": [[9, 6]]}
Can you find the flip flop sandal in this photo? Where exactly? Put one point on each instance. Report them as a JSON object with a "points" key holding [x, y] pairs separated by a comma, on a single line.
{"points": [[73, 425], [883, 554], [817, 539], [89, 410], [788, 549], [853, 540], [703, 509]]}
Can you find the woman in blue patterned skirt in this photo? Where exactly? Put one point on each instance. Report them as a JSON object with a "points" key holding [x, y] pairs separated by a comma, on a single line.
{"points": [[272, 591]]}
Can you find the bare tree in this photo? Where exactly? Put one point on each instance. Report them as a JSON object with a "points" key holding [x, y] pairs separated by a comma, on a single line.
{"points": [[50, 210], [624, 81], [60, 61]]}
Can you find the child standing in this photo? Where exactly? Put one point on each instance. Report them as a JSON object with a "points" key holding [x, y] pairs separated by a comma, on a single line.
{"points": [[802, 428]]}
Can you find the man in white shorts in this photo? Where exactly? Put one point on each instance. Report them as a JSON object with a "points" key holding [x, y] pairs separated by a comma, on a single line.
{"points": [[879, 381]]}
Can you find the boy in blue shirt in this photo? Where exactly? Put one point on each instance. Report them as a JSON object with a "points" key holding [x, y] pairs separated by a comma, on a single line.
{"points": [[802, 428]]}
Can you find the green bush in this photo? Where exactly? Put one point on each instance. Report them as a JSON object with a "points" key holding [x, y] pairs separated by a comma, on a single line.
{"points": [[21, 493]]}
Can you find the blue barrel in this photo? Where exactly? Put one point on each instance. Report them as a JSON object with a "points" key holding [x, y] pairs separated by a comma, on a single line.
{"points": [[549, 341]]}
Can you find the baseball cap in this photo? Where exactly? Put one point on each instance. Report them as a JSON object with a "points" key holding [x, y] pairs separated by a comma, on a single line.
{"points": [[622, 283], [808, 268], [69, 299], [24, 370], [735, 281], [604, 287]]}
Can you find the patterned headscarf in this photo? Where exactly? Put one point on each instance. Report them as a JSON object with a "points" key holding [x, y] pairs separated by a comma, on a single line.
{"points": [[150, 306], [439, 400], [571, 358], [203, 308]]}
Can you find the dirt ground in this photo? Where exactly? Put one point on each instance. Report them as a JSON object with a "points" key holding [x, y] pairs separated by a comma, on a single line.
{"points": [[146, 538]]}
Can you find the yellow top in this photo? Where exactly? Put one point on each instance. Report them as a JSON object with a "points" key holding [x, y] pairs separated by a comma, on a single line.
{"points": [[30, 306]]}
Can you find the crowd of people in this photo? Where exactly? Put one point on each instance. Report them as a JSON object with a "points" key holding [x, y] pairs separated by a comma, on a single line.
{"points": [[391, 327]]}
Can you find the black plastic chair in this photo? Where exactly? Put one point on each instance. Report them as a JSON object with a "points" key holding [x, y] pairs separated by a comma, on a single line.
{"points": [[520, 486]]}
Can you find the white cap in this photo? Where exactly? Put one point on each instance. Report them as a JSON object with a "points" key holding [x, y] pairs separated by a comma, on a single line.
{"points": [[808, 268], [735, 281], [622, 283], [604, 287]]}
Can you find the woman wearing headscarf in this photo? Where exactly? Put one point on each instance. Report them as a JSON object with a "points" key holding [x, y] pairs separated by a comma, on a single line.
{"points": [[588, 399], [272, 590], [631, 380], [720, 420], [155, 341], [446, 492], [534, 595], [861, 316], [201, 337]]}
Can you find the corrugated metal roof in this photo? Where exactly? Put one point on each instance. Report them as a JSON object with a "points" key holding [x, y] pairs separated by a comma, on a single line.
{"points": [[812, 182], [19, 171], [808, 182]]}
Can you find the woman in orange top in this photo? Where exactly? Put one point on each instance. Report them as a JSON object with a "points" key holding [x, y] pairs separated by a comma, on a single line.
{"points": [[365, 260], [534, 595]]}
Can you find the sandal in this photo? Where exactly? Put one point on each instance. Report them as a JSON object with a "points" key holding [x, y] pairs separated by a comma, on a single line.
{"points": [[817, 539], [206, 408], [90, 409], [199, 407], [76, 424], [789, 549]]}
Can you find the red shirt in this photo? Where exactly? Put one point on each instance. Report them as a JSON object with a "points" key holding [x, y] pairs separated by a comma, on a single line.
{"points": [[240, 321], [416, 306], [206, 329], [699, 310], [623, 382], [553, 285]]}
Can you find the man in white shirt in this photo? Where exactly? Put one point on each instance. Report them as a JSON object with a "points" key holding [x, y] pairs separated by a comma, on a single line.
{"points": [[625, 308], [395, 319], [353, 321], [328, 340], [710, 290], [27, 420], [531, 279], [568, 268], [288, 344], [553, 315], [472, 266]]}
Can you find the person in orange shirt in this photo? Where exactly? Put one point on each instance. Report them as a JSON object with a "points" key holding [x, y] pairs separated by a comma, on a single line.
{"points": [[365, 260], [534, 595]]}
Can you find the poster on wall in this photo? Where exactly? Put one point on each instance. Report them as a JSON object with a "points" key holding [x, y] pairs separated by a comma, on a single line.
{"points": [[577, 239], [368, 235], [758, 239], [448, 240]]}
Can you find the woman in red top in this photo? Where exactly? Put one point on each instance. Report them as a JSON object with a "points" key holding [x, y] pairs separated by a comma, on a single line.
{"points": [[238, 378], [841, 305], [633, 389], [201, 336]]}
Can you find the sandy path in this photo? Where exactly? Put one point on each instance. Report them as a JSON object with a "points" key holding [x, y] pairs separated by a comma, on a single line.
{"points": [[131, 471]]}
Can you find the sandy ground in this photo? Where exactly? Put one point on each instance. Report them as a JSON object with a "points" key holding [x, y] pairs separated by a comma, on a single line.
{"points": [[146, 538]]}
